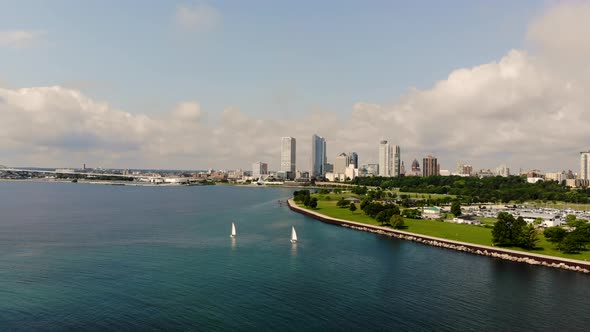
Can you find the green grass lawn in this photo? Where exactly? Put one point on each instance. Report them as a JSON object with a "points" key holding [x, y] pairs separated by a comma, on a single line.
{"points": [[458, 232], [560, 205], [487, 221]]}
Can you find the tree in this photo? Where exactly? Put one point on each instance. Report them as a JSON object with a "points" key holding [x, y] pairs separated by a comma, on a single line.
{"points": [[397, 221], [342, 203], [313, 203], [352, 207], [509, 231], [501, 233], [306, 200], [570, 219], [411, 213], [383, 217], [456, 208], [570, 245], [529, 237], [554, 234], [576, 223], [364, 203], [372, 209]]}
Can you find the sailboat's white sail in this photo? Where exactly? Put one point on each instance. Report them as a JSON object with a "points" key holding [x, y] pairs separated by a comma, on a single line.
{"points": [[233, 230], [293, 234]]}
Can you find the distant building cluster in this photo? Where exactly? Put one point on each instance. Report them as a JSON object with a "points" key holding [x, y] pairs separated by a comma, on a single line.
{"points": [[345, 167]]}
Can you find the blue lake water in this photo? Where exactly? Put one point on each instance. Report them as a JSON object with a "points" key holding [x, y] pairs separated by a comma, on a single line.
{"points": [[94, 257]]}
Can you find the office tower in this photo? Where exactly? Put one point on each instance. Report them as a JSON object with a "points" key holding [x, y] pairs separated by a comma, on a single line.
{"points": [[288, 148], [385, 158], [342, 161], [329, 168], [259, 169], [502, 170], [460, 166], [402, 171], [354, 159], [584, 165], [396, 161], [430, 166], [318, 156]]}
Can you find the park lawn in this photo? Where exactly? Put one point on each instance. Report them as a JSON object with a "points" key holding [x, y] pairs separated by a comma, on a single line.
{"points": [[451, 231], [335, 197], [420, 195], [446, 230], [545, 247], [487, 220], [560, 205], [330, 209]]}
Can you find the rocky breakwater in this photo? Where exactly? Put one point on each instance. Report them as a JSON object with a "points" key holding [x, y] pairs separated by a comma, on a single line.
{"points": [[506, 254], [473, 249]]}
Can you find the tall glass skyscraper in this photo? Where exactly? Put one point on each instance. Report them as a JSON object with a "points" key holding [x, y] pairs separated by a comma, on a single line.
{"points": [[396, 161], [354, 159], [318, 156]]}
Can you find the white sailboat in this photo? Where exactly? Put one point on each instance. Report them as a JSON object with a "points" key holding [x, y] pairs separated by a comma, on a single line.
{"points": [[293, 235], [233, 230]]}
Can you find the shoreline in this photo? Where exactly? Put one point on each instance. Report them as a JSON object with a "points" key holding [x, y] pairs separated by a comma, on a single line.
{"points": [[494, 252]]}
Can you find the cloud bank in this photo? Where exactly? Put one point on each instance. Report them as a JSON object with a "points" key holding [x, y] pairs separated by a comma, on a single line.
{"points": [[528, 109]]}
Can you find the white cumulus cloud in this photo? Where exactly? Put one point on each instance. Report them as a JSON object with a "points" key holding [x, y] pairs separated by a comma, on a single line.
{"points": [[528, 109], [197, 17], [19, 38]]}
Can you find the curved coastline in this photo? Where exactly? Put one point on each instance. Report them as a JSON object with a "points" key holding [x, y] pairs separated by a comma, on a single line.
{"points": [[506, 254]]}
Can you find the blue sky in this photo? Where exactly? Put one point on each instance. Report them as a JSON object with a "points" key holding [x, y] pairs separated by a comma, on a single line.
{"points": [[195, 85], [267, 57]]}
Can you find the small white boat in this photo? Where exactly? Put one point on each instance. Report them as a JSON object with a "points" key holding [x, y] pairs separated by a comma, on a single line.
{"points": [[233, 230], [293, 235]]}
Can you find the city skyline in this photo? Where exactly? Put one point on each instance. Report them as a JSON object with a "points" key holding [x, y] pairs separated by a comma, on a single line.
{"points": [[483, 94]]}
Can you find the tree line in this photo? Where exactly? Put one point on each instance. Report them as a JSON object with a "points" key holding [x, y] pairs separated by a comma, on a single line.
{"points": [[479, 190]]}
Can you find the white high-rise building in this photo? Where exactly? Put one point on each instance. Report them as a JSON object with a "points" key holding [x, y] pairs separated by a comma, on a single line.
{"points": [[584, 165], [502, 170], [396, 161], [259, 169], [288, 155], [385, 158], [342, 161], [318, 156]]}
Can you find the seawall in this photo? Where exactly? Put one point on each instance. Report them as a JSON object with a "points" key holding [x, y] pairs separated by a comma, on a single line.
{"points": [[506, 254]]}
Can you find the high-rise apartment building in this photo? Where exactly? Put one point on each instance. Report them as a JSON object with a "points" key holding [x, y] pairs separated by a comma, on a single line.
{"points": [[288, 156], [318, 156], [389, 159], [584, 165], [502, 170], [464, 169], [430, 166], [385, 158], [259, 169]]}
